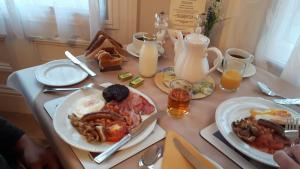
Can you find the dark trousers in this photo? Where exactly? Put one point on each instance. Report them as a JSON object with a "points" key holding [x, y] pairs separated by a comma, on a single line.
{"points": [[8, 162]]}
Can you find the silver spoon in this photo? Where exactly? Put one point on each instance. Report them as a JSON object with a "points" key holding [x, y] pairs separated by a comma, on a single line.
{"points": [[268, 91], [84, 87], [150, 157]]}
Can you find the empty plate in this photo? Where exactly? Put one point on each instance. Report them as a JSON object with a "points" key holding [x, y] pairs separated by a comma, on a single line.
{"points": [[59, 73]]}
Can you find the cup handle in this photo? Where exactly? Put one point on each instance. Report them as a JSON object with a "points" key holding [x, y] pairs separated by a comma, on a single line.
{"points": [[219, 58]]}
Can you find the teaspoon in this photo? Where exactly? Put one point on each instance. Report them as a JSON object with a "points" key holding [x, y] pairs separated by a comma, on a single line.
{"points": [[150, 157]]}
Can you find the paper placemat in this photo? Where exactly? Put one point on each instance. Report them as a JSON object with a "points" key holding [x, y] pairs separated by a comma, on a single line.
{"points": [[157, 134], [213, 136]]}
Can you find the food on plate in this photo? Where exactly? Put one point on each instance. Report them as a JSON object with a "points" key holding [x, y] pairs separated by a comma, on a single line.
{"points": [[278, 116], [106, 51], [265, 135], [125, 76], [115, 92], [121, 113], [116, 131], [88, 104], [136, 82], [131, 108], [95, 126], [108, 58]]}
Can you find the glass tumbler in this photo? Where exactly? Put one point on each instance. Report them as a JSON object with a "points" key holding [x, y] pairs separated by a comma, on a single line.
{"points": [[179, 98], [232, 75]]}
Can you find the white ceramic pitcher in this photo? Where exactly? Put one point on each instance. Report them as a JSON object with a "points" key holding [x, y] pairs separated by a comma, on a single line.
{"points": [[191, 60]]}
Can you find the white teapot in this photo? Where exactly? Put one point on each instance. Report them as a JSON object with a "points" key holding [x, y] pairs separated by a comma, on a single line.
{"points": [[191, 57]]}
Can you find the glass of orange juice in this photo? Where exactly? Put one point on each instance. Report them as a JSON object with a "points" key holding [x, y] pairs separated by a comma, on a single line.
{"points": [[232, 75], [179, 98]]}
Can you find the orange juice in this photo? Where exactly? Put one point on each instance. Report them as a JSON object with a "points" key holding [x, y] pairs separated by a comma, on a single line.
{"points": [[231, 79]]}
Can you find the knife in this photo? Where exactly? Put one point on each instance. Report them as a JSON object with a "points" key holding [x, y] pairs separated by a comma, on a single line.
{"points": [[79, 63], [133, 133], [287, 101], [202, 163]]}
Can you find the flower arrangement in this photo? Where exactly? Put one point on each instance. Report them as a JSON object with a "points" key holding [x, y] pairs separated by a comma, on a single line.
{"points": [[212, 16]]}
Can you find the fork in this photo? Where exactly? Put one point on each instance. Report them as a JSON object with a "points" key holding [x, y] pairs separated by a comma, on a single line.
{"points": [[291, 130]]}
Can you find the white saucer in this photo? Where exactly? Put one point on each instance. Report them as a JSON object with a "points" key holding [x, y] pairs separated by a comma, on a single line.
{"points": [[250, 71], [134, 52], [59, 73]]}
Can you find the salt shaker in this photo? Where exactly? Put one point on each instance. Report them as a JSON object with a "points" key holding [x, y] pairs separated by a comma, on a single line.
{"points": [[148, 56]]}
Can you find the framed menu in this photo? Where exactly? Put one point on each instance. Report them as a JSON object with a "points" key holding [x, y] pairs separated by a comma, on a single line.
{"points": [[182, 13]]}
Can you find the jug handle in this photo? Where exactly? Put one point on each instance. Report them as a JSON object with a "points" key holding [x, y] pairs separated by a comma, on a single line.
{"points": [[219, 58]]}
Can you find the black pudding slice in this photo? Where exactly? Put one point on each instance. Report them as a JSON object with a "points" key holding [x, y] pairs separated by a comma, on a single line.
{"points": [[115, 92]]}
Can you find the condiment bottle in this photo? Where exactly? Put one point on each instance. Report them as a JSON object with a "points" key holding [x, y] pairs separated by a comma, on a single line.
{"points": [[161, 26], [148, 57]]}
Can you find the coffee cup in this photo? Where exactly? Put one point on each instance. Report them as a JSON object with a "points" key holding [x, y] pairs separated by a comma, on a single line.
{"points": [[240, 55], [138, 40]]}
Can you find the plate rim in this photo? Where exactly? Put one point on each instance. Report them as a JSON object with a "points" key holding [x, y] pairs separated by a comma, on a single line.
{"points": [[220, 125], [101, 149], [41, 68]]}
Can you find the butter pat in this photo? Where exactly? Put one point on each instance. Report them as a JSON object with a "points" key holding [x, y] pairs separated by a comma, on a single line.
{"points": [[124, 76], [136, 82]]}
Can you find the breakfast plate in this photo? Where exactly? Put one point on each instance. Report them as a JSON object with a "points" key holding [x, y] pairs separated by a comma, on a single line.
{"points": [[134, 52], [250, 71], [239, 108], [70, 135], [59, 73]]}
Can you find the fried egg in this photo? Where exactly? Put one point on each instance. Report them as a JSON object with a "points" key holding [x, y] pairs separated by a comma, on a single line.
{"points": [[88, 104]]}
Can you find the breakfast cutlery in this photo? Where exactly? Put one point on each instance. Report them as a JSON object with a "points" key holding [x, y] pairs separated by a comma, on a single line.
{"points": [[150, 157], [291, 130], [266, 90], [133, 133], [205, 163], [79, 63], [287, 101], [84, 87]]}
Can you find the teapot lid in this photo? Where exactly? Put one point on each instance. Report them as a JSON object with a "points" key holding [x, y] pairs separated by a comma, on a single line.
{"points": [[198, 39]]}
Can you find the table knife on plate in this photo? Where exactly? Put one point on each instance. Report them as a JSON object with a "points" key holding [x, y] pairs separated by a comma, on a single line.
{"points": [[203, 163], [79, 63], [287, 101], [133, 133]]}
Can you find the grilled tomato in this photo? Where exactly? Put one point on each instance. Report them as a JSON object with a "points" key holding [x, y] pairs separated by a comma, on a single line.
{"points": [[116, 131]]}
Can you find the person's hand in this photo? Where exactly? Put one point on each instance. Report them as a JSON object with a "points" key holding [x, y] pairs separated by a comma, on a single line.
{"points": [[34, 156], [288, 158]]}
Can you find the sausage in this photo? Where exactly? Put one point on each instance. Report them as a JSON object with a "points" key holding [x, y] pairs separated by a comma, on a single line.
{"points": [[98, 115], [277, 128]]}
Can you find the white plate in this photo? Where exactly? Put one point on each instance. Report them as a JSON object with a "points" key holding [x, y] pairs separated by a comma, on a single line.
{"points": [[70, 135], [250, 71], [59, 73], [236, 109], [134, 52]]}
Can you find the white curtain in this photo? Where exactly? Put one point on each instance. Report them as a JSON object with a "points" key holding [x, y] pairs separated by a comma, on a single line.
{"points": [[279, 42], [53, 19], [66, 21]]}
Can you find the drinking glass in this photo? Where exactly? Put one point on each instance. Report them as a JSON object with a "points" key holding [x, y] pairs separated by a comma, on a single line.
{"points": [[232, 75], [179, 98]]}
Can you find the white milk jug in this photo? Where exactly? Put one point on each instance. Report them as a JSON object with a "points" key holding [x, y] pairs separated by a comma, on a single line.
{"points": [[191, 60]]}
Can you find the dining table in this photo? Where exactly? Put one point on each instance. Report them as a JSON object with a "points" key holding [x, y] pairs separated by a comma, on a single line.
{"points": [[202, 111]]}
